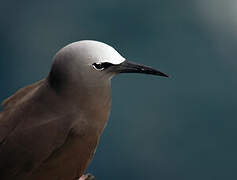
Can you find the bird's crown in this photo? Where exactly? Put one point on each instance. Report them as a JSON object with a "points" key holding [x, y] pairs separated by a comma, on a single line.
{"points": [[91, 51]]}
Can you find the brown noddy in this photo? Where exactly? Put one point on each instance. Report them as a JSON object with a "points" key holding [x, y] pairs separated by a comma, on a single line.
{"points": [[50, 130]]}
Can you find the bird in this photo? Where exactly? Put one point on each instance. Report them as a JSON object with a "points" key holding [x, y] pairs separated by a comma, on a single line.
{"points": [[50, 130]]}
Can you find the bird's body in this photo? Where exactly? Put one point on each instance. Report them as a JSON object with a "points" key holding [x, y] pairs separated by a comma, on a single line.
{"points": [[50, 130], [52, 137]]}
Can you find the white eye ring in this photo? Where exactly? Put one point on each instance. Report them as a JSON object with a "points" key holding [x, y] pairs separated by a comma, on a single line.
{"points": [[98, 67]]}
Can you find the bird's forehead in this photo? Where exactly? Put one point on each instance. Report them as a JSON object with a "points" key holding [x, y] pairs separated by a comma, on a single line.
{"points": [[96, 52]]}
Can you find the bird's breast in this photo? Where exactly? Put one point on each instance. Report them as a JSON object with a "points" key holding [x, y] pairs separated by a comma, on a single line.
{"points": [[71, 160]]}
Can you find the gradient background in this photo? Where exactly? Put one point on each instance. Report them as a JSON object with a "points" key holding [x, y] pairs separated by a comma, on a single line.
{"points": [[179, 128]]}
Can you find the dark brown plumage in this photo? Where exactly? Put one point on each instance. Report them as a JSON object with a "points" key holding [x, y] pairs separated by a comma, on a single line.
{"points": [[38, 139]]}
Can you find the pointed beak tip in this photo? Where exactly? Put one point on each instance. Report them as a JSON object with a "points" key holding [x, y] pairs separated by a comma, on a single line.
{"points": [[158, 73], [165, 75]]}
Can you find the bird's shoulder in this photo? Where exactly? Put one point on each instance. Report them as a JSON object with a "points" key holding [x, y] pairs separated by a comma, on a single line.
{"points": [[20, 94], [32, 127], [13, 109]]}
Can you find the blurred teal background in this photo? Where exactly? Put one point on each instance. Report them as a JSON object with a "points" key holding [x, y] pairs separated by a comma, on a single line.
{"points": [[179, 128]]}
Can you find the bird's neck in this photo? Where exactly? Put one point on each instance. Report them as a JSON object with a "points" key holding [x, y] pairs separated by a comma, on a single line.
{"points": [[91, 102]]}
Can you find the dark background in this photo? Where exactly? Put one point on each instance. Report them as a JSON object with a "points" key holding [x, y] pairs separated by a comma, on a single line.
{"points": [[180, 128]]}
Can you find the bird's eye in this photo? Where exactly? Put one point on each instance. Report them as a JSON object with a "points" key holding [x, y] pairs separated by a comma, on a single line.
{"points": [[101, 66], [98, 66]]}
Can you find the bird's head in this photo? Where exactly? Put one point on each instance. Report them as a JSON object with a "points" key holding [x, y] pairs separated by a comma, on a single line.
{"points": [[92, 63]]}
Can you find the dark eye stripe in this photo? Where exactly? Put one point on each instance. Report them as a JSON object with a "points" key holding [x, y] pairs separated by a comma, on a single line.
{"points": [[101, 66], [106, 64], [98, 66]]}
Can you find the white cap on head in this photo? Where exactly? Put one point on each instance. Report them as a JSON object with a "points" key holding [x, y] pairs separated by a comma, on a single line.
{"points": [[95, 52]]}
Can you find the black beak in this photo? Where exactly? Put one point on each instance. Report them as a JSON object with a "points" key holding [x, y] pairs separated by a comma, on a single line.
{"points": [[131, 67]]}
